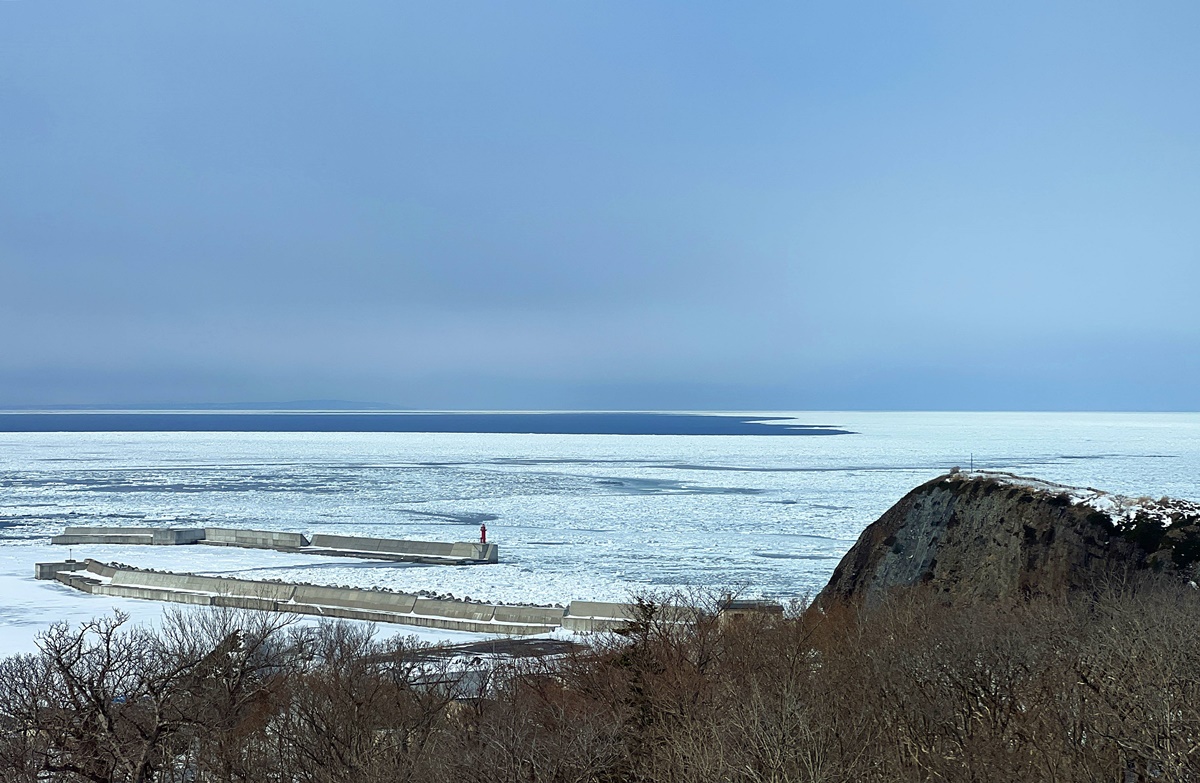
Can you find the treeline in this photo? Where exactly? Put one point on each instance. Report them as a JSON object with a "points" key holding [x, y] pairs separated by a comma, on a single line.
{"points": [[1098, 688]]}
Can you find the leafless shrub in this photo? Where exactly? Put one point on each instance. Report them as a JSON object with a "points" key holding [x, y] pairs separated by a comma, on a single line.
{"points": [[1093, 687]]}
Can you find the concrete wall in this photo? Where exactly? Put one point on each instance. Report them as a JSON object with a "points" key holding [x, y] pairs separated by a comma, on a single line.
{"points": [[488, 553], [76, 539], [592, 616], [253, 539], [168, 536], [275, 591], [338, 602], [77, 581], [51, 570], [176, 536], [601, 609], [386, 548], [153, 594], [360, 544], [425, 621], [345, 602], [459, 610], [246, 602], [462, 550], [370, 600], [88, 530], [458, 624], [530, 615], [103, 569], [75, 535]]}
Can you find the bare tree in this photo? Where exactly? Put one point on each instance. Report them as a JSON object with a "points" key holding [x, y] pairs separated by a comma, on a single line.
{"points": [[1094, 687]]}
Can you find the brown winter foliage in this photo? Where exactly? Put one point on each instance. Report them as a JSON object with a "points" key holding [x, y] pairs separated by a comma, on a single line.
{"points": [[1104, 687]]}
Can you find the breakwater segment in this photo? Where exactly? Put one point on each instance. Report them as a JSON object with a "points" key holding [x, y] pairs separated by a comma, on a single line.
{"points": [[351, 603], [149, 536], [91, 576], [253, 539], [432, 550], [395, 550]]}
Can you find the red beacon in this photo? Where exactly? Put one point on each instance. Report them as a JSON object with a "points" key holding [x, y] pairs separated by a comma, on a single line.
{"points": [[483, 534]]}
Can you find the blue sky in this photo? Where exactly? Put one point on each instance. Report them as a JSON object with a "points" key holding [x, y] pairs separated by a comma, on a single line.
{"points": [[601, 205]]}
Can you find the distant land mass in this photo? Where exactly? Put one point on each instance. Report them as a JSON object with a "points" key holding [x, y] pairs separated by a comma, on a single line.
{"points": [[292, 405], [224, 420]]}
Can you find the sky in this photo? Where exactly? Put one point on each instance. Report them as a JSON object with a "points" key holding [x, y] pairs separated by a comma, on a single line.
{"points": [[601, 205]]}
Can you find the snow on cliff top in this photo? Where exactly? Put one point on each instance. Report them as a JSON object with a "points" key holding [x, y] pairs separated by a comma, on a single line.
{"points": [[1122, 510]]}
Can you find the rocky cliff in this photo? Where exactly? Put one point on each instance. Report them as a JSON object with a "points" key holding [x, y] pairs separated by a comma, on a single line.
{"points": [[987, 535]]}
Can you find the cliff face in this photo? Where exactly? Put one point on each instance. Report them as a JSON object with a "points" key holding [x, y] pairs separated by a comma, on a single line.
{"points": [[987, 535]]}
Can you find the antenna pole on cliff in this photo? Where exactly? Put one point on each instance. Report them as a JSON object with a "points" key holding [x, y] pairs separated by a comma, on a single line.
{"points": [[972, 462]]}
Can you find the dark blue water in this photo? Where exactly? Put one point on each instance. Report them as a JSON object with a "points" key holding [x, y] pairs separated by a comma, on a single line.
{"points": [[516, 423]]}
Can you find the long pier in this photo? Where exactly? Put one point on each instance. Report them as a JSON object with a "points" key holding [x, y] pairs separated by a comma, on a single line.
{"points": [[395, 550], [96, 578]]}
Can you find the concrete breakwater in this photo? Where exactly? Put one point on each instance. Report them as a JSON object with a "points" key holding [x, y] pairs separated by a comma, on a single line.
{"points": [[397, 550], [156, 536], [389, 548], [253, 539], [93, 577]]}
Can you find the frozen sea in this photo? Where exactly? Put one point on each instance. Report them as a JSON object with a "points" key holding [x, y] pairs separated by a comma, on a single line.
{"points": [[576, 516]]}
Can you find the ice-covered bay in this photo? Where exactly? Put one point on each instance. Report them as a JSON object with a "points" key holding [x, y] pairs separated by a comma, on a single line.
{"points": [[576, 516]]}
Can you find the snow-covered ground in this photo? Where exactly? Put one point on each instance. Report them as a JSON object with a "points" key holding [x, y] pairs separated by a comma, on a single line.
{"points": [[1121, 509], [576, 516], [28, 606]]}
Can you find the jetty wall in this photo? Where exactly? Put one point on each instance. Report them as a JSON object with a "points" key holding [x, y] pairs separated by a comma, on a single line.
{"points": [[340, 602], [430, 552], [354, 603], [592, 616], [252, 539], [460, 550], [152, 536], [51, 570]]}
